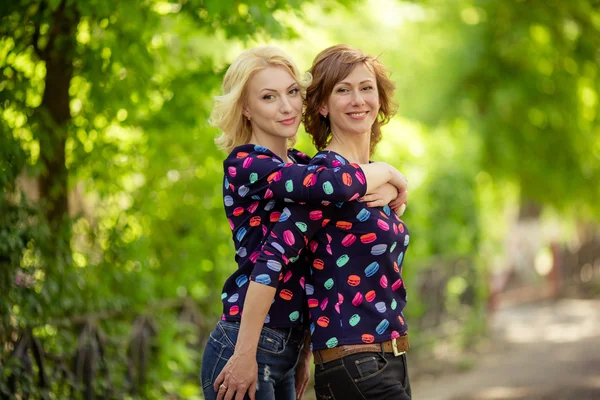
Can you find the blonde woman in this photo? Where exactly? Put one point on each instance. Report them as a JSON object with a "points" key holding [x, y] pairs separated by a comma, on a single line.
{"points": [[259, 113]]}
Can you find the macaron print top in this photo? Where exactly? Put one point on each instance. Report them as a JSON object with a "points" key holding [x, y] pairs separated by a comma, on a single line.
{"points": [[257, 184], [355, 293]]}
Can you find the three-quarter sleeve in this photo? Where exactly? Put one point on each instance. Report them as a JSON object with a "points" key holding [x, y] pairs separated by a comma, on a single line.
{"points": [[296, 226], [255, 172]]}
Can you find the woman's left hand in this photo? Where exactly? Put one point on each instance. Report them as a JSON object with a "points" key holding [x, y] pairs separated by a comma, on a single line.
{"points": [[381, 196], [302, 375], [398, 205], [239, 376], [387, 194]]}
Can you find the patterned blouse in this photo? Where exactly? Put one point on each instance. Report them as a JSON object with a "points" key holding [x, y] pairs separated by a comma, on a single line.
{"points": [[355, 293], [257, 185]]}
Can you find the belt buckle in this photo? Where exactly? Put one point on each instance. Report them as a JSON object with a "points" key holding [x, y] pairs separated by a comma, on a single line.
{"points": [[395, 348]]}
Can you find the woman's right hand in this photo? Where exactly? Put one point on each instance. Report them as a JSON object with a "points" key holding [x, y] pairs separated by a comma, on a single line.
{"points": [[401, 183], [240, 375], [378, 173]]}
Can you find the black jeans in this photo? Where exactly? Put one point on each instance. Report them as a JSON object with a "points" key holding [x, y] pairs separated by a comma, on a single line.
{"points": [[368, 376]]}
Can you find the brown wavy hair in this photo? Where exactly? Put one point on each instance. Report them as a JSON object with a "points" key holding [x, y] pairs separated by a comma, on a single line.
{"points": [[330, 67]]}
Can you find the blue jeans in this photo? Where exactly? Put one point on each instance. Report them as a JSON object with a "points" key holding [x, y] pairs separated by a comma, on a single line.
{"points": [[363, 376], [277, 355]]}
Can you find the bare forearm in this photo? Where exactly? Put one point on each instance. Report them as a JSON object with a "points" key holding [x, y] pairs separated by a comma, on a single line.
{"points": [[380, 173], [376, 174], [256, 306], [306, 351], [398, 180]]}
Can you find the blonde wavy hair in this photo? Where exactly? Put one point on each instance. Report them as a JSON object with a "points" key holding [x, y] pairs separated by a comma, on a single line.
{"points": [[227, 111]]}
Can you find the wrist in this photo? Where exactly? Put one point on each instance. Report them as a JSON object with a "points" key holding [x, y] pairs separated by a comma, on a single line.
{"points": [[306, 357], [245, 350], [306, 351]]}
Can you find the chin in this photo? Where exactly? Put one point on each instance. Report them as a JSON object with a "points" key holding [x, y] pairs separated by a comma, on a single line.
{"points": [[361, 131], [285, 135]]}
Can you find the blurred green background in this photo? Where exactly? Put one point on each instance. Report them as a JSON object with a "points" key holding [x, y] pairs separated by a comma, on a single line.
{"points": [[113, 243]]}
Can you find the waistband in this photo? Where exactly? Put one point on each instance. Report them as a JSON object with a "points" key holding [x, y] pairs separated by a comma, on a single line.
{"points": [[291, 333], [397, 346]]}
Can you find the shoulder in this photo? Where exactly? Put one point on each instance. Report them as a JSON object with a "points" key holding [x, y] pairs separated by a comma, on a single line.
{"points": [[250, 156], [331, 159], [298, 156]]}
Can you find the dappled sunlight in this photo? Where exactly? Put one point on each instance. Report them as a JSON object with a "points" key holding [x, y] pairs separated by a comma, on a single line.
{"points": [[561, 322], [113, 186], [504, 393]]}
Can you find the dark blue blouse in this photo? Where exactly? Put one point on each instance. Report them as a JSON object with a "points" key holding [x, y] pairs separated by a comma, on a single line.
{"points": [[355, 293], [257, 185]]}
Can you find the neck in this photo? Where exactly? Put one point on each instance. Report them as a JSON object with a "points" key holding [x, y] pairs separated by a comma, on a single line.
{"points": [[277, 145], [355, 148]]}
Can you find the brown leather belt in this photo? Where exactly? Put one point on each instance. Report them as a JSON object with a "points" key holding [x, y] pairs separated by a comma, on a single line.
{"points": [[397, 346]]}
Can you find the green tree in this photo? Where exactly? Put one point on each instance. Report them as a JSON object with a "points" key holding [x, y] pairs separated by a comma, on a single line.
{"points": [[105, 106], [524, 74]]}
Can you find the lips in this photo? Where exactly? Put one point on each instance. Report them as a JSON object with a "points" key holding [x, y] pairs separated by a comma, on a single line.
{"points": [[288, 121], [358, 115]]}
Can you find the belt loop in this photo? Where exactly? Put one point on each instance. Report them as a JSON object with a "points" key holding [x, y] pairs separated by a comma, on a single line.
{"points": [[303, 340], [289, 335], [317, 355], [382, 347]]}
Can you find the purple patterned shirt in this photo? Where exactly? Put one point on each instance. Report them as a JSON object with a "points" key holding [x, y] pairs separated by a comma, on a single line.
{"points": [[355, 293], [257, 186]]}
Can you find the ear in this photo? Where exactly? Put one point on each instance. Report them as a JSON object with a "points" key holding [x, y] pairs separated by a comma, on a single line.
{"points": [[324, 110], [246, 113]]}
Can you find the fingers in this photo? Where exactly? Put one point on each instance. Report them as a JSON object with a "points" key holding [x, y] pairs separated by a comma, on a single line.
{"points": [[221, 391], [300, 392], [396, 203], [369, 197], [376, 203], [403, 196], [252, 391], [239, 395], [401, 210], [220, 379], [399, 204], [231, 391]]}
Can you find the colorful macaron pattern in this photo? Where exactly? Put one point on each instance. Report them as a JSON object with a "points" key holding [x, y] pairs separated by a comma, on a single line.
{"points": [[356, 293], [257, 186]]}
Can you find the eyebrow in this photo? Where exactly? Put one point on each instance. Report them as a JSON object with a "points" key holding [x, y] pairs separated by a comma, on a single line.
{"points": [[274, 90], [348, 83]]}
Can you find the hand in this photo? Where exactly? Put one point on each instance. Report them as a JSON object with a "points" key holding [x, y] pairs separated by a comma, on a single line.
{"points": [[239, 376], [399, 180], [401, 183], [302, 373], [398, 205], [381, 196]]}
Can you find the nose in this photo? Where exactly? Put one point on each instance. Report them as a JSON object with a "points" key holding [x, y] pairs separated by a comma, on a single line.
{"points": [[357, 99], [285, 107]]}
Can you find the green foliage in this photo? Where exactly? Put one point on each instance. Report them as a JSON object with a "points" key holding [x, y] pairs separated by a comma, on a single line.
{"points": [[104, 110], [105, 103], [525, 74]]}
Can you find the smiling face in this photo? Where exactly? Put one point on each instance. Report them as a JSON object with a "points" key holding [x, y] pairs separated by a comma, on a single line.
{"points": [[353, 105], [273, 103]]}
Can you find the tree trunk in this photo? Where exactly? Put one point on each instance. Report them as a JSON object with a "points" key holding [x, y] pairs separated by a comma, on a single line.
{"points": [[58, 56], [529, 210]]}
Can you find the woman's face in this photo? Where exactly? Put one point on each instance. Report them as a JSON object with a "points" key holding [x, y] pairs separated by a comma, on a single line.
{"points": [[353, 105], [274, 103]]}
